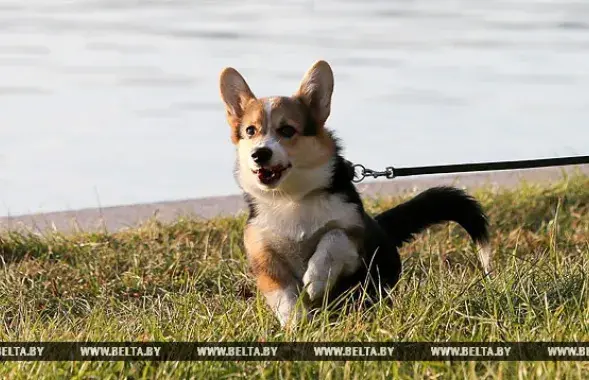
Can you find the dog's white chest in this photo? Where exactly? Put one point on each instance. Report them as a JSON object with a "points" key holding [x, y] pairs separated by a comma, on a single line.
{"points": [[299, 220]]}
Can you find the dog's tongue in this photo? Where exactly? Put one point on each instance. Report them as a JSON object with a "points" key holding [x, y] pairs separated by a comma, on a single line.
{"points": [[265, 174]]}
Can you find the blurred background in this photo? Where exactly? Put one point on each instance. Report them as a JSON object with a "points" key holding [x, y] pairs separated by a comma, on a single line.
{"points": [[112, 102]]}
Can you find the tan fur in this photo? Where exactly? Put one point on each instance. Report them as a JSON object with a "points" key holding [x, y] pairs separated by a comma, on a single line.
{"points": [[244, 109], [312, 151], [316, 89], [255, 116], [236, 95], [269, 271], [286, 111], [267, 283], [273, 277]]}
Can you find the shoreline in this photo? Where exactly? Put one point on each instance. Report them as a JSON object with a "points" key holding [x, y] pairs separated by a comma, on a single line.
{"points": [[115, 218]]}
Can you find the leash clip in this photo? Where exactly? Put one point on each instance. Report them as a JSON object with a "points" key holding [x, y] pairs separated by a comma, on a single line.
{"points": [[361, 172]]}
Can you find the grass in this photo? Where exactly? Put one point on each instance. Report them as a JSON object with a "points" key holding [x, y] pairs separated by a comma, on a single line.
{"points": [[188, 281]]}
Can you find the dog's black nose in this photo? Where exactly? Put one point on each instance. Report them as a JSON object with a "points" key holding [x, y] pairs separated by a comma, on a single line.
{"points": [[262, 155]]}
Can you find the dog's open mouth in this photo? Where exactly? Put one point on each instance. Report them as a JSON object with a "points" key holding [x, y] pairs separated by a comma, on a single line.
{"points": [[270, 176]]}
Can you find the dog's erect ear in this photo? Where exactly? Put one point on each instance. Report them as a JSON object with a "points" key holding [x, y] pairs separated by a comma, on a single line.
{"points": [[235, 94], [315, 91]]}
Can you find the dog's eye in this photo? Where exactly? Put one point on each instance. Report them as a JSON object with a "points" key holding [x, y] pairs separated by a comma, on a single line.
{"points": [[286, 131], [250, 131]]}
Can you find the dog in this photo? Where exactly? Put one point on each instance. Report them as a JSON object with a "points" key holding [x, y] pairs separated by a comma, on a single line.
{"points": [[307, 236]]}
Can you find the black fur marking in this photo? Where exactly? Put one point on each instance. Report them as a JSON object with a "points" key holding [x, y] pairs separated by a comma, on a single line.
{"points": [[385, 233], [310, 128], [433, 206], [341, 183], [342, 175], [251, 206]]}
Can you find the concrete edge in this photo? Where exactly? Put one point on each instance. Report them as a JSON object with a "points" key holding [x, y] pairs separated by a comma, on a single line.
{"points": [[115, 218]]}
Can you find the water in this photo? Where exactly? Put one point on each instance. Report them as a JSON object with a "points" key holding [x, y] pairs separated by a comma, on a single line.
{"points": [[108, 102]]}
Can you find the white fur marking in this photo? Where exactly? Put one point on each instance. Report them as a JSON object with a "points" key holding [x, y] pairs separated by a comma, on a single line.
{"points": [[284, 302], [299, 219], [485, 255], [268, 111], [300, 182], [294, 219], [335, 255]]}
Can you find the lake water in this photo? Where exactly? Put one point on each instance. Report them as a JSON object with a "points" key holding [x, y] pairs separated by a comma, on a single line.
{"points": [[108, 102]]}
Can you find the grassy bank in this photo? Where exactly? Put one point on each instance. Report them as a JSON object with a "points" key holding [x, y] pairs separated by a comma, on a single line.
{"points": [[188, 281]]}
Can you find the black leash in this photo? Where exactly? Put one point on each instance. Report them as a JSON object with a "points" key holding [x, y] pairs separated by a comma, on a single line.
{"points": [[360, 172]]}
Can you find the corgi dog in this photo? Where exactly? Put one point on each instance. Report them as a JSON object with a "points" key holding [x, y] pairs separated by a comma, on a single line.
{"points": [[308, 236]]}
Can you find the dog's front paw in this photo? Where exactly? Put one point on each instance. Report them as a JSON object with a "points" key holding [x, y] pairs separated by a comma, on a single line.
{"points": [[314, 285], [295, 319]]}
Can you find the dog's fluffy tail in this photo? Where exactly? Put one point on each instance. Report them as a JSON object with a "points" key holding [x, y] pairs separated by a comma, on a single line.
{"points": [[437, 205]]}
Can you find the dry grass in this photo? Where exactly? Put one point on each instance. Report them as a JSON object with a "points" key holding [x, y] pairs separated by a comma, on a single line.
{"points": [[188, 281]]}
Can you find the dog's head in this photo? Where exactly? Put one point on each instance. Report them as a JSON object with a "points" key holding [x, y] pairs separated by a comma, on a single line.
{"points": [[283, 147]]}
